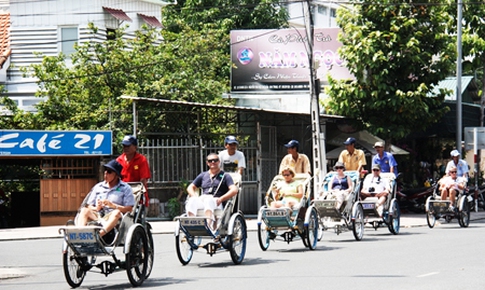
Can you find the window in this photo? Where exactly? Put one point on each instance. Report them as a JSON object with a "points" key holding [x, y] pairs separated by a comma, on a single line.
{"points": [[322, 10], [68, 38], [333, 12]]}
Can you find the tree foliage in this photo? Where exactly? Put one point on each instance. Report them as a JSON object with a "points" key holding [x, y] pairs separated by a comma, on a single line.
{"points": [[225, 14], [188, 63], [397, 51], [473, 43]]}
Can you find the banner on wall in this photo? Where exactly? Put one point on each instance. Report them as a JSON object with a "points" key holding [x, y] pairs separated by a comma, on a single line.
{"points": [[55, 143], [277, 60]]}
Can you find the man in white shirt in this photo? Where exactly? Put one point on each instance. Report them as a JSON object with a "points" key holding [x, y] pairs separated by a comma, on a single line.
{"points": [[376, 187]]}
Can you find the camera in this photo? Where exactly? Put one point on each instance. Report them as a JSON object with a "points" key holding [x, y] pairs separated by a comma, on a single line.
{"points": [[371, 189]]}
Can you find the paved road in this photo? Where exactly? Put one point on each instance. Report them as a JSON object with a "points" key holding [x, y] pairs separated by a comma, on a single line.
{"points": [[419, 258]]}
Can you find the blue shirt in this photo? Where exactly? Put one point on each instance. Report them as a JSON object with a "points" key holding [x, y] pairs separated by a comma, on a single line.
{"points": [[211, 185], [386, 162], [121, 194]]}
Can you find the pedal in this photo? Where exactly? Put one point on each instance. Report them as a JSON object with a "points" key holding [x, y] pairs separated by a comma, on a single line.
{"points": [[211, 248], [106, 267]]}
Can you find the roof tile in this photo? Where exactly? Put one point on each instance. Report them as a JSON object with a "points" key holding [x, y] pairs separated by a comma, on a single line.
{"points": [[4, 37]]}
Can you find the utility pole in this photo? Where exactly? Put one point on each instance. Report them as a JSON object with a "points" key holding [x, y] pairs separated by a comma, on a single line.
{"points": [[314, 103], [458, 78]]}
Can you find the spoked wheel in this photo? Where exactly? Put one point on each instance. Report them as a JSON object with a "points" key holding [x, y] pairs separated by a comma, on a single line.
{"points": [[430, 218], [311, 230], [238, 240], [358, 223], [395, 218], [184, 250], [464, 215], [137, 257], [73, 271], [263, 236], [321, 228], [151, 252]]}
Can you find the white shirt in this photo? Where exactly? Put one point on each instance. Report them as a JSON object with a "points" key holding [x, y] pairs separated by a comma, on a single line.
{"points": [[231, 163]]}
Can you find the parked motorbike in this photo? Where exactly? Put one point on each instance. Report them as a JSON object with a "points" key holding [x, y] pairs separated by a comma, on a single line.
{"points": [[477, 198], [414, 199]]}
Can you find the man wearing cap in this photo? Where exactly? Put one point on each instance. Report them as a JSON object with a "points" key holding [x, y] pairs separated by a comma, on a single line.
{"points": [[460, 165], [299, 162], [376, 188], [108, 200], [354, 159], [385, 159], [232, 160], [135, 165]]}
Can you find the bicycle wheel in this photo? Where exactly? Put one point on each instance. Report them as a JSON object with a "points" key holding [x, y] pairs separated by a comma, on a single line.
{"points": [[73, 271], [464, 215], [137, 257], [238, 240], [183, 247], [151, 252], [395, 218], [311, 230], [358, 223], [263, 236]]}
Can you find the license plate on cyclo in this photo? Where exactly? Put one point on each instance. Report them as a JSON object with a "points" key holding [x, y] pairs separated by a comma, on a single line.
{"points": [[368, 205], [81, 236], [276, 213]]}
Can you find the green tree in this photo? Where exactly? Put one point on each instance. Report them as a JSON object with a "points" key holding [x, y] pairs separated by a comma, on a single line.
{"points": [[398, 51], [189, 63], [473, 41], [225, 14]]}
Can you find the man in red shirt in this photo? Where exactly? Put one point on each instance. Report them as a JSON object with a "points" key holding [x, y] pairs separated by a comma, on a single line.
{"points": [[135, 165]]}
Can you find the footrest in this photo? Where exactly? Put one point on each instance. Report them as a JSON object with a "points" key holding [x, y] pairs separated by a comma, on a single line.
{"points": [[279, 217], [326, 208], [196, 226]]}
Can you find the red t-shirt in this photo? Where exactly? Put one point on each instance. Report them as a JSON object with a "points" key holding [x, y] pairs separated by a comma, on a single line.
{"points": [[135, 170]]}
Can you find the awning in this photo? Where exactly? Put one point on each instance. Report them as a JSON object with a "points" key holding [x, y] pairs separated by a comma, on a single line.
{"points": [[150, 20], [117, 13], [364, 140]]}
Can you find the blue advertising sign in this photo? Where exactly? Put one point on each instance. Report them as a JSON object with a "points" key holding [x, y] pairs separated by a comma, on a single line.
{"points": [[57, 143]]}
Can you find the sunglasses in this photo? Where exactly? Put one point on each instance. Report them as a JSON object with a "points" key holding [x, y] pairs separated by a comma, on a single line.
{"points": [[452, 171], [286, 174], [109, 171], [212, 160], [375, 170], [339, 168]]}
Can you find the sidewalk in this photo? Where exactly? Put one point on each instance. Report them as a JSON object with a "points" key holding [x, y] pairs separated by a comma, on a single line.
{"points": [[408, 220]]}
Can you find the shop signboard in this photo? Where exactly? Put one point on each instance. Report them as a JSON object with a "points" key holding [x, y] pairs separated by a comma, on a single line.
{"points": [[55, 143]]}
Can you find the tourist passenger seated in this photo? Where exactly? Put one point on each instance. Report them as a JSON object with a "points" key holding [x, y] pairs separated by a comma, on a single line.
{"points": [[108, 200], [287, 193], [376, 188], [217, 188], [451, 185], [339, 186]]}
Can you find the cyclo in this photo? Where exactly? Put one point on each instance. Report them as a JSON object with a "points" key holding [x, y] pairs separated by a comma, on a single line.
{"points": [[83, 246], [349, 216], [391, 214], [230, 234], [437, 208], [285, 223]]}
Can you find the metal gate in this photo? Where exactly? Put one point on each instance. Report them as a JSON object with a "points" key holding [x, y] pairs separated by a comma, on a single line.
{"points": [[268, 159]]}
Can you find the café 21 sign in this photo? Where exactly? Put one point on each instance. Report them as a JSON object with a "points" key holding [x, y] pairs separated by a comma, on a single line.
{"points": [[54, 143]]}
